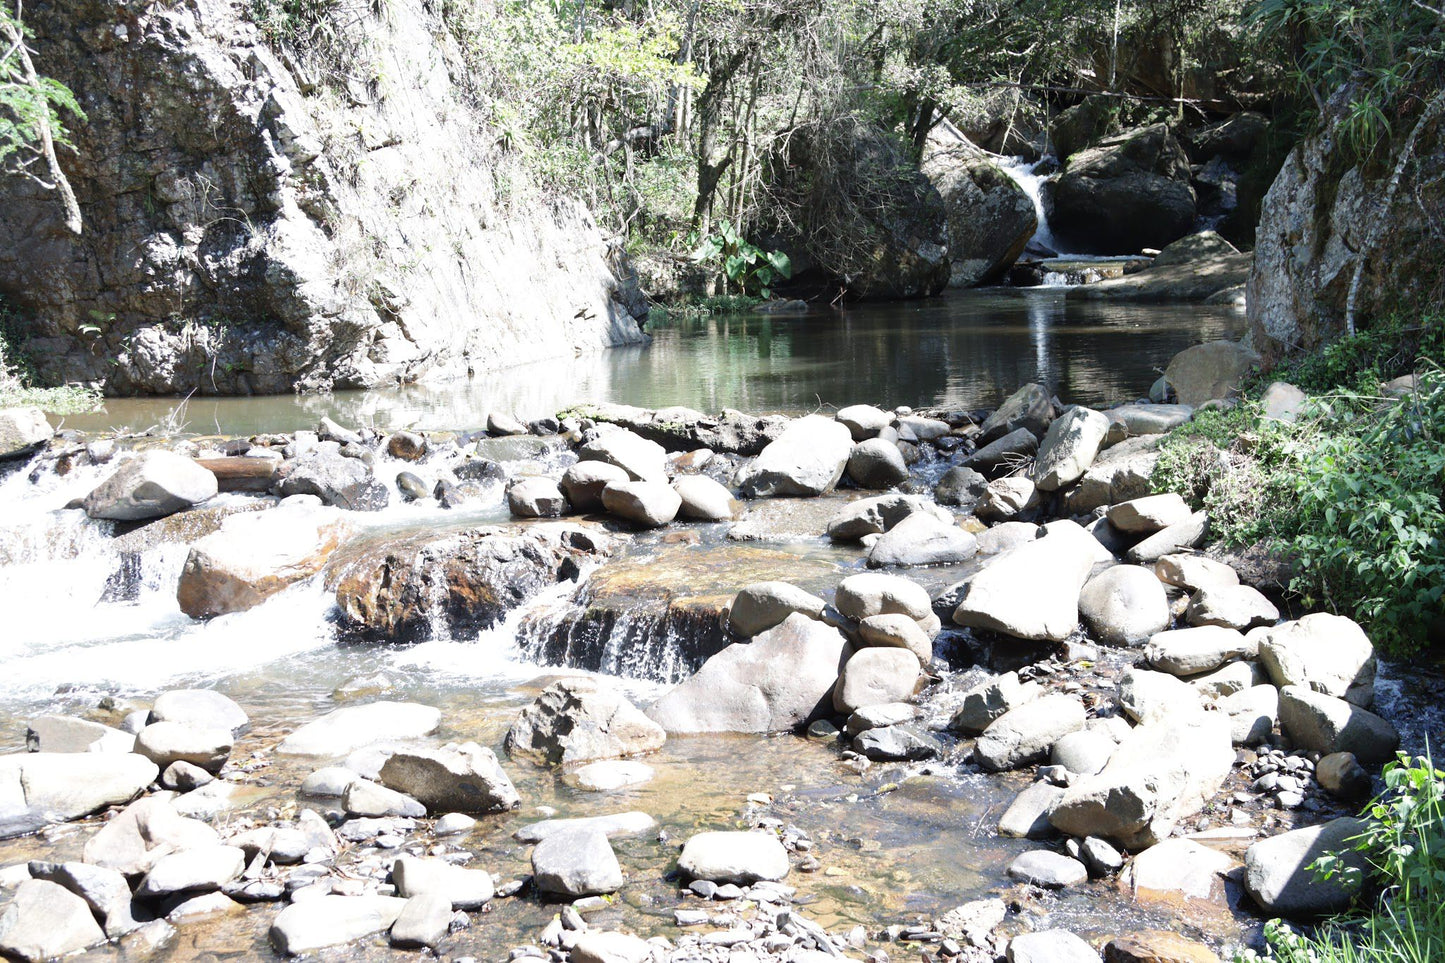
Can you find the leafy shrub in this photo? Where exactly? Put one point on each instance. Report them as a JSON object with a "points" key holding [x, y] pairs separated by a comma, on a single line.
{"points": [[747, 266]]}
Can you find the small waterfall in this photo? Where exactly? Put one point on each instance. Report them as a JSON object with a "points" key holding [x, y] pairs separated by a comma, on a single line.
{"points": [[1025, 175]]}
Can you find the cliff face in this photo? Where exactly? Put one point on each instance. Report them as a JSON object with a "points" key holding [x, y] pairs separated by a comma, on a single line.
{"points": [[1327, 212], [259, 222]]}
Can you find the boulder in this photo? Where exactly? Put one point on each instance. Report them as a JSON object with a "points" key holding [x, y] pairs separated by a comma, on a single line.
{"points": [[864, 421], [1194, 572], [1074, 128], [1327, 653], [583, 483], [806, 460], [579, 720], [22, 431], [425, 920], [1030, 407], [204, 869], [1135, 420], [1069, 447], [860, 596], [1124, 605], [1031, 592], [594, 946], [1278, 873], [1152, 696], [535, 497], [1282, 402], [323, 921], [960, 488], [681, 429], [1027, 817], [1342, 776], [1005, 454], [763, 605], [784, 678], [1210, 371], [153, 484], [1119, 474], [105, 891], [573, 864], [1025, 733], [1253, 713], [366, 798], [44, 920], [1320, 723], [990, 218], [254, 555], [69, 734], [1084, 752], [1178, 868], [1162, 773], [643, 460], [704, 500], [166, 742], [610, 775], [1006, 499], [1005, 536], [734, 857], [922, 539], [1050, 946], [353, 727], [1169, 541], [1201, 649], [1150, 514], [464, 889], [897, 743], [336, 479], [147, 829], [899, 632], [876, 515], [646, 504], [465, 778], [1128, 193], [877, 464], [1041, 867], [1231, 606], [1156, 946], [874, 676], [41, 788], [880, 716], [987, 701]]}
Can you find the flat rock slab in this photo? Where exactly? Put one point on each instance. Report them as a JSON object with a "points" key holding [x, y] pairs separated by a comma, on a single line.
{"points": [[332, 920], [353, 727]]}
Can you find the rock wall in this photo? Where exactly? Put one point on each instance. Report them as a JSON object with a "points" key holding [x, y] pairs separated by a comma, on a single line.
{"points": [[1317, 223], [261, 222]]}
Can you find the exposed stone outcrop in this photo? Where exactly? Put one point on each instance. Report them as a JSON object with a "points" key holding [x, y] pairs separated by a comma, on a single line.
{"points": [[1130, 192], [252, 226], [990, 217]]}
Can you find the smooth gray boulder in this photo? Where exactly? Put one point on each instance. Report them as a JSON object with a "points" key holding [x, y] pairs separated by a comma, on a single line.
{"points": [[879, 716], [464, 778], [22, 431], [595, 946], [960, 488], [204, 869], [1024, 734], [464, 889], [1320, 723], [1050, 946], [897, 743], [153, 484], [146, 830], [425, 920], [41, 788], [1048, 869], [875, 676], [922, 539], [1005, 536], [1069, 447], [353, 727], [1231, 606], [366, 798], [69, 734], [864, 421], [1004, 455], [1228, 679], [200, 707], [704, 500], [875, 515], [1150, 514], [1147, 696], [1253, 713], [646, 504], [324, 921], [1187, 652], [1124, 605], [783, 678], [1172, 540], [734, 857], [580, 720], [105, 891], [1327, 653], [44, 920], [641, 459], [166, 742], [583, 482], [898, 632], [536, 497], [763, 605], [1119, 474], [876, 464], [1133, 420], [1027, 817], [806, 460], [1211, 370], [1007, 499], [1030, 408], [1194, 572], [1084, 752], [1277, 873], [1031, 592], [1161, 774], [875, 593], [988, 700]]}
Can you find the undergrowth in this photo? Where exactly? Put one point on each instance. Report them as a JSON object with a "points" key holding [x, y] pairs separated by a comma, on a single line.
{"points": [[1350, 492], [16, 377]]}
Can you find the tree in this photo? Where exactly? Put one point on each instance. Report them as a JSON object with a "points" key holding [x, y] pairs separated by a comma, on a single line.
{"points": [[31, 110]]}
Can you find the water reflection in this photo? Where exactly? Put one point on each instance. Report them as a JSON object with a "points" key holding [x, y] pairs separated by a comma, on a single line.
{"points": [[968, 349]]}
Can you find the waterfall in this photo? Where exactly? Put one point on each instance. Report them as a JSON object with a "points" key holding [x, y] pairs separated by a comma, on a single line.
{"points": [[1025, 175]]}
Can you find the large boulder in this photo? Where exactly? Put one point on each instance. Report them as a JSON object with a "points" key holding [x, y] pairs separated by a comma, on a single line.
{"points": [[646, 504], [762, 605], [988, 700], [581, 720], [331, 920], [806, 460], [43, 921], [464, 889], [990, 217], [1194, 650], [465, 778], [1031, 592], [1320, 723], [641, 459], [1333, 216], [1069, 447], [166, 742], [877, 464], [922, 539], [734, 857], [576, 863], [142, 833], [1030, 407], [583, 483], [41, 788], [1124, 605], [1279, 873], [1131, 192], [856, 210], [1004, 455], [1025, 733], [22, 431], [1161, 774], [153, 484], [683, 429], [335, 478], [1327, 653], [875, 515], [783, 678], [704, 500], [877, 675], [1122, 472], [1076, 127], [254, 555], [1210, 371], [535, 497]]}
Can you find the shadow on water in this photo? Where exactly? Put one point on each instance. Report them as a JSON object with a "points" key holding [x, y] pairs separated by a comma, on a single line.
{"points": [[967, 348]]}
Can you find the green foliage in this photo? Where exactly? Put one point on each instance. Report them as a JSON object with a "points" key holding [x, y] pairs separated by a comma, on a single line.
{"points": [[24, 104], [746, 265], [1350, 493], [16, 389], [1404, 846]]}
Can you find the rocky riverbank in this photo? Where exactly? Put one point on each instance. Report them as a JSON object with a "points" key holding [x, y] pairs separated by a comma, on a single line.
{"points": [[914, 599]]}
